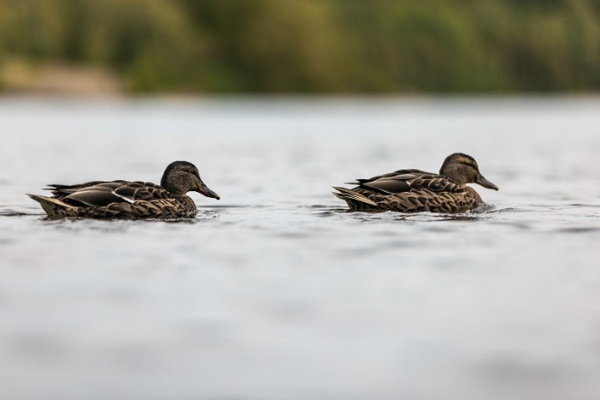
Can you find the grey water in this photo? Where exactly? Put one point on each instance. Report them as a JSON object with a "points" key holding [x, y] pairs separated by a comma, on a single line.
{"points": [[276, 292]]}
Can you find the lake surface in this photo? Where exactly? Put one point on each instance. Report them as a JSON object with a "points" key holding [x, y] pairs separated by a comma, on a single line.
{"points": [[276, 292]]}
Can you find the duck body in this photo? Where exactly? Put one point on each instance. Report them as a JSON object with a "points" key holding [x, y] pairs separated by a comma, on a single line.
{"points": [[121, 199], [413, 190]]}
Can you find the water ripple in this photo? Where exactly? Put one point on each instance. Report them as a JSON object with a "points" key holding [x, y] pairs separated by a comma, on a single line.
{"points": [[14, 213]]}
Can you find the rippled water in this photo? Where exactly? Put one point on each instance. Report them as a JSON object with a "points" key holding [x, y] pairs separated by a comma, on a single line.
{"points": [[276, 292]]}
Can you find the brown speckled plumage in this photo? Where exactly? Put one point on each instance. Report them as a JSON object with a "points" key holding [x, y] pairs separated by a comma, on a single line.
{"points": [[412, 190], [129, 200]]}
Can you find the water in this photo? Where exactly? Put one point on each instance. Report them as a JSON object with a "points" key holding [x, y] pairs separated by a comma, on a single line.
{"points": [[275, 292]]}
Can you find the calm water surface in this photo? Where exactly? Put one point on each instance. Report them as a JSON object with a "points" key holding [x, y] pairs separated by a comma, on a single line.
{"points": [[275, 292]]}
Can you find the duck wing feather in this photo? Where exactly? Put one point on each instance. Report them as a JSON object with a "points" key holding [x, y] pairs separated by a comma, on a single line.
{"points": [[408, 180], [99, 193], [146, 191], [393, 182], [60, 191]]}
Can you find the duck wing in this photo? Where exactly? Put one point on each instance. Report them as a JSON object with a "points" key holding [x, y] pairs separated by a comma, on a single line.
{"points": [[98, 193], [60, 191], [408, 180], [394, 182]]}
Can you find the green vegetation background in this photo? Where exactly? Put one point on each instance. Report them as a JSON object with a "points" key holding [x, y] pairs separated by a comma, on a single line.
{"points": [[324, 46]]}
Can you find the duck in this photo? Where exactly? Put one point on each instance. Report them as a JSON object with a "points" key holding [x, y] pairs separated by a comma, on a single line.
{"points": [[413, 190], [122, 199]]}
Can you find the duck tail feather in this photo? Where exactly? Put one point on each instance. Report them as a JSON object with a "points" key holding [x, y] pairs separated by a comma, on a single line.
{"points": [[350, 195], [54, 207]]}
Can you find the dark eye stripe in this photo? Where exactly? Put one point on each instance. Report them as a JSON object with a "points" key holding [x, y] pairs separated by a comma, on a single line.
{"points": [[469, 164]]}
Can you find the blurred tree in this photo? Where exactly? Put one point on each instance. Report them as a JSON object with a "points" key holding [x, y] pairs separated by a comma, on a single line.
{"points": [[315, 45], [269, 45]]}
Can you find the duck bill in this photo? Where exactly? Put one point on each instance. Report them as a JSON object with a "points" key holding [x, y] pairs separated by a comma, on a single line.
{"points": [[485, 183], [205, 190]]}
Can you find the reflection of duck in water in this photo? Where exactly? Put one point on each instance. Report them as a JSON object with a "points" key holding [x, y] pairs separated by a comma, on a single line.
{"points": [[129, 200], [412, 190]]}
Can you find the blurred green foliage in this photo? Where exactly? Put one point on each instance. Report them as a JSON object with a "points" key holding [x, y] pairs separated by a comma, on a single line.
{"points": [[354, 46]]}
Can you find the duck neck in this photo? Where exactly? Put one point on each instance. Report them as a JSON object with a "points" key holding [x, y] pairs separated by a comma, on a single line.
{"points": [[454, 176]]}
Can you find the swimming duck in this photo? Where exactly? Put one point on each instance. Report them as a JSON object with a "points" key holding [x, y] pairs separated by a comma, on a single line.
{"points": [[129, 200], [412, 190]]}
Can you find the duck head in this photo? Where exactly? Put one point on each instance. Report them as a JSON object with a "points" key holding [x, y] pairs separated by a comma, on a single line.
{"points": [[463, 169], [181, 177]]}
